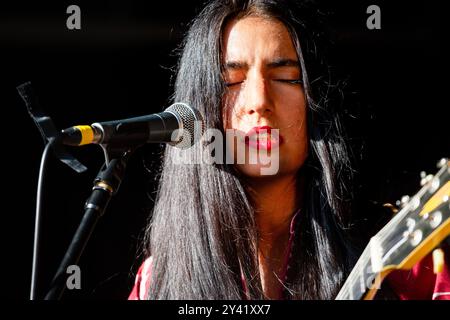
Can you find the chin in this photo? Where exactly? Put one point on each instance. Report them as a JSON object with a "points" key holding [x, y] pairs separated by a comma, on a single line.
{"points": [[257, 171]]}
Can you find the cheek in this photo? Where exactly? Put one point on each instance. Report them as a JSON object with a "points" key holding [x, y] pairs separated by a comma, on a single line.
{"points": [[297, 146], [231, 118], [299, 129], [294, 119], [301, 133]]}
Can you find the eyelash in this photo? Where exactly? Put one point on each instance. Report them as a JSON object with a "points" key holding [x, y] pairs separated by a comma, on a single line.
{"points": [[233, 84], [297, 81]]}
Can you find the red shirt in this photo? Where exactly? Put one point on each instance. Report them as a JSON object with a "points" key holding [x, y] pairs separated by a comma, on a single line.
{"points": [[420, 283], [142, 281]]}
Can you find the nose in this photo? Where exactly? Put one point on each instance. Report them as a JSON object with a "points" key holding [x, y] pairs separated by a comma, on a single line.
{"points": [[257, 98]]}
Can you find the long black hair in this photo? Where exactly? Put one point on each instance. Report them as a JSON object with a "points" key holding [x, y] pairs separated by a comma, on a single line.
{"points": [[202, 234]]}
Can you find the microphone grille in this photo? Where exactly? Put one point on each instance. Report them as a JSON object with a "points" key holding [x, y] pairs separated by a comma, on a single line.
{"points": [[191, 121]]}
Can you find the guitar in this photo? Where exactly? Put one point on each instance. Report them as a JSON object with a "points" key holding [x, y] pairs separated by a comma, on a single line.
{"points": [[421, 225]]}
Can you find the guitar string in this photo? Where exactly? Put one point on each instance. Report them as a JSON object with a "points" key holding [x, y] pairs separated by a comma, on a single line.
{"points": [[347, 289], [400, 237], [390, 230], [386, 231]]}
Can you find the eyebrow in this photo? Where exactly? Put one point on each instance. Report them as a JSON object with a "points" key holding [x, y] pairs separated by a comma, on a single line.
{"points": [[277, 63], [283, 63]]}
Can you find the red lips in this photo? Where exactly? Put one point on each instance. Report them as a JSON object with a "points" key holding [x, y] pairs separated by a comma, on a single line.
{"points": [[262, 138]]}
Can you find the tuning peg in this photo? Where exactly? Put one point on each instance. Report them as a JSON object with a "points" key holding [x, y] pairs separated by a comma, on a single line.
{"points": [[424, 178], [402, 202], [438, 260], [441, 163], [433, 218]]}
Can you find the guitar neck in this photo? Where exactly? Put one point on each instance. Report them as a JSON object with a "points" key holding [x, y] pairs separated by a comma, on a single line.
{"points": [[363, 280]]}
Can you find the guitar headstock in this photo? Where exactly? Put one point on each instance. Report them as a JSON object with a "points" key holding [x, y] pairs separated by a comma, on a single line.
{"points": [[421, 224]]}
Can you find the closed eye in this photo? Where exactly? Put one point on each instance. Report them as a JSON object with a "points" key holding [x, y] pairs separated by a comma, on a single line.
{"points": [[295, 81], [230, 84], [289, 81]]}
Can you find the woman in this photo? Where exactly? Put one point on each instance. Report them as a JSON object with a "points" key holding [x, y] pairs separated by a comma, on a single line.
{"points": [[227, 231], [223, 231]]}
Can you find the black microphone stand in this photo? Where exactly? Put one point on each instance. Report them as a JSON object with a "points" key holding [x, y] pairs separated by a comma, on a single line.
{"points": [[106, 185]]}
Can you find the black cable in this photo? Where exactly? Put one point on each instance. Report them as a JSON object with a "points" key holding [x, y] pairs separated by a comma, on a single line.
{"points": [[37, 222]]}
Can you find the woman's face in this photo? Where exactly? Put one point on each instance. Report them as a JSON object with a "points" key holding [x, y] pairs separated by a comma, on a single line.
{"points": [[262, 73]]}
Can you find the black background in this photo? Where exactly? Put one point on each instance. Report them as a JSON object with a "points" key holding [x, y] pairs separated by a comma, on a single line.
{"points": [[119, 65]]}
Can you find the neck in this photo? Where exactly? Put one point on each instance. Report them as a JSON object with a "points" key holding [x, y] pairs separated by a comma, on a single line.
{"points": [[276, 199]]}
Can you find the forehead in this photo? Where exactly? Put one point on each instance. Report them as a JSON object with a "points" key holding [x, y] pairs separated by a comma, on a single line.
{"points": [[254, 37]]}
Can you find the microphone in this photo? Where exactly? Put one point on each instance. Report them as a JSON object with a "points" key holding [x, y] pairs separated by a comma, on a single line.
{"points": [[179, 125]]}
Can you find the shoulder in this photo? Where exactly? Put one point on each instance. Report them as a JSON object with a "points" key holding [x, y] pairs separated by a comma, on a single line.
{"points": [[142, 281]]}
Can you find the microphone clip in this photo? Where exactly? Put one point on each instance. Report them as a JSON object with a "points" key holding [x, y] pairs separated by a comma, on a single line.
{"points": [[47, 128]]}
